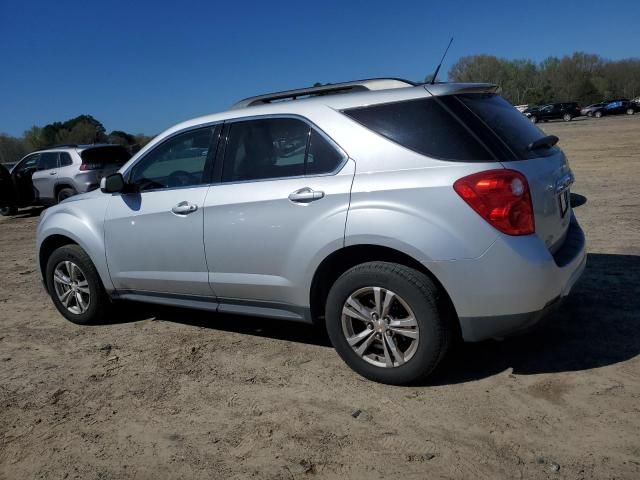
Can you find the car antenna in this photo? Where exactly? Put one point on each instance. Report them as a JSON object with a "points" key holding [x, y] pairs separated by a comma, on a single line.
{"points": [[435, 74]]}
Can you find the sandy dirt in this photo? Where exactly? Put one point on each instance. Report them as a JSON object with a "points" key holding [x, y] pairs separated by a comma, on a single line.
{"points": [[161, 393]]}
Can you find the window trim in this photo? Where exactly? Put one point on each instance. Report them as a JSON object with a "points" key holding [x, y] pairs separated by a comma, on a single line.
{"points": [[211, 156], [224, 140]]}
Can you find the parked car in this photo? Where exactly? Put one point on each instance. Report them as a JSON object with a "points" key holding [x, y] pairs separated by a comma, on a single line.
{"points": [[566, 111], [49, 176], [414, 214], [588, 111]]}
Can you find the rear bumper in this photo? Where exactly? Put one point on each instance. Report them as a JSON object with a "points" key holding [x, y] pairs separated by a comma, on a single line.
{"points": [[515, 284]]}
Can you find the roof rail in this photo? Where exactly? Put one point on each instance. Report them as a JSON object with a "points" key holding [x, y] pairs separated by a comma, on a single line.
{"points": [[330, 89], [63, 145]]}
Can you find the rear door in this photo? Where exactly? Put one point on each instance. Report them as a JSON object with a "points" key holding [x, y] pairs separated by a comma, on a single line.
{"points": [[282, 200], [45, 177]]}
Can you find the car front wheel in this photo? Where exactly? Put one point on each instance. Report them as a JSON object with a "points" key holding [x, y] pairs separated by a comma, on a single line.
{"points": [[567, 117], [598, 114], [630, 111], [533, 119], [75, 286], [383, 319]]}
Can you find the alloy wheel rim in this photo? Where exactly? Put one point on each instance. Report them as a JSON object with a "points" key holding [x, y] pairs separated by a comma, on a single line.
{"points": [[380, 327], [72, 287]]}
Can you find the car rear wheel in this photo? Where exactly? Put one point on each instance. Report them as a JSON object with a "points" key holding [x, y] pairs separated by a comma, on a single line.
{"points": [[630, 111], [533, 119], [65, 193], [567, 117], [75, 286], [383, 319], [8, 211], [598, 114]]}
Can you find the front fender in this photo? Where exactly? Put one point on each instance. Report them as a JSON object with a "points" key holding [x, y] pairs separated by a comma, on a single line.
{"points": [[83, 223]]}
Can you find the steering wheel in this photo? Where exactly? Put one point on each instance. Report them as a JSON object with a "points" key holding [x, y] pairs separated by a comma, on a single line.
{"points": [[179, 178]]}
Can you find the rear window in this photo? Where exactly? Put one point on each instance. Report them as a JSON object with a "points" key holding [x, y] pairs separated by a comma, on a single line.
{"points": [[467, 127], [513, 128], [116, 154]]}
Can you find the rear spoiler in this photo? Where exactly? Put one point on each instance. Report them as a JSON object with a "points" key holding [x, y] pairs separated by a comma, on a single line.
{"points": [[438, 89]]}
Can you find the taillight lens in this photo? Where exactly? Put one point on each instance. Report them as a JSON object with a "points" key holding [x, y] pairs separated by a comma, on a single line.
{"points": [[501, 197], [90, 166]]}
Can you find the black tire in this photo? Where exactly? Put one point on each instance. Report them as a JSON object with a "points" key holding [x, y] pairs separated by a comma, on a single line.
{"points": [[630, 111], [8, 211], [533, 118], [567, 117], [598, 114], [422, 296], [65, 193], [99, 304]]}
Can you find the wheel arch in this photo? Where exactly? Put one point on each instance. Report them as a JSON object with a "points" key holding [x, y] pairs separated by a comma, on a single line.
{"points": [[60, 186], [339, 261]]}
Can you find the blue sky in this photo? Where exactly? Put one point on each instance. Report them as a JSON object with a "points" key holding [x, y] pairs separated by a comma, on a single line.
{"points": [[143, 66]]}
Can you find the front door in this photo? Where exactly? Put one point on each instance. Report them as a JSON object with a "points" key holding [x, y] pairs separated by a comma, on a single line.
{"points": [[281, 204], [153, 235], [44, 179], [22, 179]]}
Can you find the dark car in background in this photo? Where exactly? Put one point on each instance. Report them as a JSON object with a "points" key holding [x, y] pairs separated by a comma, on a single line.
{"points": [[566, 111], [617, 106]]}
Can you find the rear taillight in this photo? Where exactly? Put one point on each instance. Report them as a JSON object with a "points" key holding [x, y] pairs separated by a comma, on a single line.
{"points": [[90, 166], [501, 197]]}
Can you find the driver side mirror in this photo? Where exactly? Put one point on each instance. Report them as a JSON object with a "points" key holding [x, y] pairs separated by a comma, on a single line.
{"points": [[113, 183]]}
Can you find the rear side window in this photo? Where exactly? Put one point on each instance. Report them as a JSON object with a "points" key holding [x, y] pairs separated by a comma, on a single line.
{"points": [[276, 148], [65, 159], [48, 161], [424, 126]]}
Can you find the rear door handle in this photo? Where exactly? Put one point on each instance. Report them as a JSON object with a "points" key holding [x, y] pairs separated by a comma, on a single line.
{"points": [[305, 195], [183, 208]]}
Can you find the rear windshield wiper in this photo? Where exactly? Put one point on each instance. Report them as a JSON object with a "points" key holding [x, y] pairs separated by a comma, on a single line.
{"points": [[544, 142]]}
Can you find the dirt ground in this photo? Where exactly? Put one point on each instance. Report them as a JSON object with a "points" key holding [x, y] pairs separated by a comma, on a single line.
{"points": [[161, 393]]}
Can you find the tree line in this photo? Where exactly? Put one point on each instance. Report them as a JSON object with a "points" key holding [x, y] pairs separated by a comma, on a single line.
{"points": [[581, 77], [83, 129]]}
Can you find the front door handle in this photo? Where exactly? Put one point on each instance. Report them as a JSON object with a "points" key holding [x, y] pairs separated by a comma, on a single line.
{"points": [[305, 195], [184, 208], [52, 173]]}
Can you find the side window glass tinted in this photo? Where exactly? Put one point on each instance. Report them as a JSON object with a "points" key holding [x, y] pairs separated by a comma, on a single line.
{"points": [[322, 156], [48, 160], [269, 148], [65, 159], [29, 163], [178, 162]]}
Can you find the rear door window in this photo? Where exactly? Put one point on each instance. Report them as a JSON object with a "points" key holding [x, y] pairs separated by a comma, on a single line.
{"points": [[277, 148], [48, 161], [424, 126]]}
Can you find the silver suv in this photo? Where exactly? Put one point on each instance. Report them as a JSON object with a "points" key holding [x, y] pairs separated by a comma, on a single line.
{"points": [[396, 215]]}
